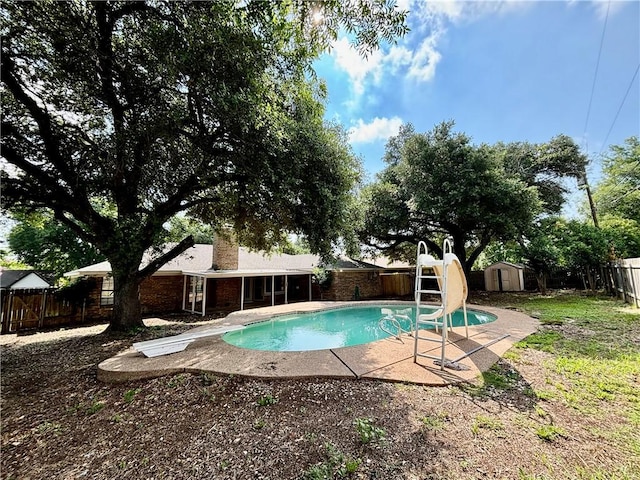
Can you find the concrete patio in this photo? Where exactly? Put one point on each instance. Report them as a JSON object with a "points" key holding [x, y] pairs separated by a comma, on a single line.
{"points": [[390, 359]]}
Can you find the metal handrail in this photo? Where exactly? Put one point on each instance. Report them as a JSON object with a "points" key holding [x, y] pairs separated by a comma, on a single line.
{"points": [[396, 323]]}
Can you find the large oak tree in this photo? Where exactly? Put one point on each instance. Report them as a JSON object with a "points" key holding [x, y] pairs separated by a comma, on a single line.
{"points": [[117, 115], [439, 184]]}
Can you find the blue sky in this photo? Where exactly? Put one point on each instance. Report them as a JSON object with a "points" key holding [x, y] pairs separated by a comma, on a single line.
{"points": [[502, 70]]}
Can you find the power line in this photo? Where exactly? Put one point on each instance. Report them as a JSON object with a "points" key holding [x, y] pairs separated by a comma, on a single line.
{"points": [[619, 109], [595, 75]]}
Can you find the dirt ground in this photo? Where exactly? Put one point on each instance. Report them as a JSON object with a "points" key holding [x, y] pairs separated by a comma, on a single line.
{"points": [[59, 422]]}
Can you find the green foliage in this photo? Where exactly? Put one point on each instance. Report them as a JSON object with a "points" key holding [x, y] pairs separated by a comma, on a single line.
{"points": [[129, 395], [323, 277], [549, 433], [439, 183], [44, 243], [508, 251], [95, 407], [618, 194], [540, 250], [48, 428], [500, 377], [117, 116], [267, 400], [297, 246], [180, 227], [544, 341], [623, 236], [8, 261], [434, 422], [580, 246], [584, 248], [368, 432], [77, 292], [336, 466], [483, 422], [596, 361]]}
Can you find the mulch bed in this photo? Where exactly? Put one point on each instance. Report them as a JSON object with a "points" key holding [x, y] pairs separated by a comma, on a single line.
{"points": [[59, 422]]}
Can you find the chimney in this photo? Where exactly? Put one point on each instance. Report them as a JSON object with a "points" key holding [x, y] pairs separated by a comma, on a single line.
{"points": [[225, 251]]}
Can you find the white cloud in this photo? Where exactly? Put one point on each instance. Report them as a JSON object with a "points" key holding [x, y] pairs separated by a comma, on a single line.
{"points": [[377, 129], [455, 11], [357, 67], [418, 54], [425, 59], [602, 7]]}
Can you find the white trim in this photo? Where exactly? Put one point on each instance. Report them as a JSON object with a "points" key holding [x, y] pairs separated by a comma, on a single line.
{"points": [[204, 296], [242, 293], [286, 289], [184, 292], [245, 273]]}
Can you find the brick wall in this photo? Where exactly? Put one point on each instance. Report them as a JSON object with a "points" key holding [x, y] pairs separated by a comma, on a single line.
{"points": [[225, 253], [161, 294], [226, 293], [344, 285], [158, 294], [93, 310]]}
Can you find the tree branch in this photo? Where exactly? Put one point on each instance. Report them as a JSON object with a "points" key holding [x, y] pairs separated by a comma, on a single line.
{"points": [[39, 115], [155, 264]]}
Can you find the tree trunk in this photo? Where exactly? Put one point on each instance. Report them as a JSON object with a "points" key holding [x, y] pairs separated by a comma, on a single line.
{"points": [[541, 278], [127, 314], [461, 253], [591, 279]]}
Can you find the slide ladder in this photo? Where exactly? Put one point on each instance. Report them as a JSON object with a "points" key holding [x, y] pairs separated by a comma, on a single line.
{"points": [[448, 282]]}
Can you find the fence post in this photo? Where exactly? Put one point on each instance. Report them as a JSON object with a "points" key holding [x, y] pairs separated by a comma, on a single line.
{"points": [[619, 282], [43, 306], [11, 295], [4, 314], [634, 292]]}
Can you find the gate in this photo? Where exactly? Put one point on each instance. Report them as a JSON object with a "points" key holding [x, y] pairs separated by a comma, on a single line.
{"points": [[396, 284], [32, 308]]}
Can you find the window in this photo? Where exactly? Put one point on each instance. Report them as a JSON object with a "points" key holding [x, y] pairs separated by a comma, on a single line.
{"points": [[106, 293], [247, 289], [279, 281], [257, 288]]}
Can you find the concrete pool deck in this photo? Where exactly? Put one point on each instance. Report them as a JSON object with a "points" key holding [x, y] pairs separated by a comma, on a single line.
{"points": [[390, 359]]}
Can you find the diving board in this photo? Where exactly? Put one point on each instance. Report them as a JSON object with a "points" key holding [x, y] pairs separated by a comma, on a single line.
{"points": [[177, 343]]}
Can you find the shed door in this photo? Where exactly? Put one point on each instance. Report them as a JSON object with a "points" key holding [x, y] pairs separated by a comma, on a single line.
{"points": [[506, 280]]}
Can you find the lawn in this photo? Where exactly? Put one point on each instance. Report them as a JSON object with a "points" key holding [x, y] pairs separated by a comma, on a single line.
{"points": [[563, 404]]}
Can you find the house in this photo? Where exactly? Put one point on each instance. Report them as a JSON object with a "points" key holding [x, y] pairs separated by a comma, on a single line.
{"points": [[24, 279], [227, 277], [504, 277]]}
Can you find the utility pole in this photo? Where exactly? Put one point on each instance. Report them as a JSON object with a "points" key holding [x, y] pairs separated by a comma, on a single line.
{"points": [[583, 182]]}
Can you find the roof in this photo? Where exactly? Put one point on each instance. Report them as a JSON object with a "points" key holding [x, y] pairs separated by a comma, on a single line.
{"points": [[12, 278], [514, 265], [198, 259]]}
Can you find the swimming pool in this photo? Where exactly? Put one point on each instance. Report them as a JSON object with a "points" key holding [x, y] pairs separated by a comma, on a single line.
{"points": [[339, 327]]}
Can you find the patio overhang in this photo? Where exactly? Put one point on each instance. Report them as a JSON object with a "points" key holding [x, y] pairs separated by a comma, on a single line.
{"points": [[201, 297]]}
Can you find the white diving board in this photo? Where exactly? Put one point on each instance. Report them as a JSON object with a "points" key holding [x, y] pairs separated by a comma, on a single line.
{"points": [[177, 343]]}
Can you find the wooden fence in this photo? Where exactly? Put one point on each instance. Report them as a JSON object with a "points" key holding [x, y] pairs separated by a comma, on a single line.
{"points": [[396, 284], [622, 278], [26, 309]]}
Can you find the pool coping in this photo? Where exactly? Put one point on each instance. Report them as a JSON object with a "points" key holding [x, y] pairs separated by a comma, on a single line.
{"points": [[389, 359]]}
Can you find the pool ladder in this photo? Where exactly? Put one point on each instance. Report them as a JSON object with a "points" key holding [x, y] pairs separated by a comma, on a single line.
{"points": [[429, 268], [390, 316]]}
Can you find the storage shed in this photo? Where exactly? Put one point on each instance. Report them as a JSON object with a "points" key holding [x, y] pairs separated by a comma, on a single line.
{"points": [[504, 277]]}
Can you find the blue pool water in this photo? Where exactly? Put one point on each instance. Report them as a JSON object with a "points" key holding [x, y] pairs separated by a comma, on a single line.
{"points": [[341, 327]]}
